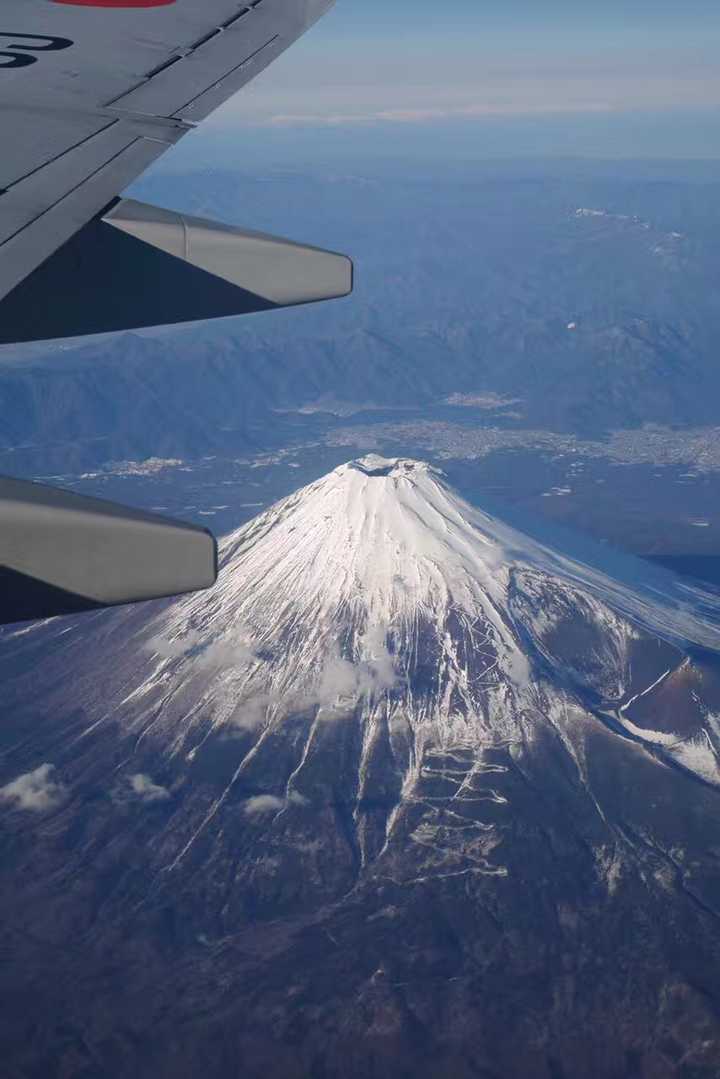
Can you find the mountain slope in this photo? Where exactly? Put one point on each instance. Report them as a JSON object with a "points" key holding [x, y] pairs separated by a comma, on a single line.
{"points": [[408, 793]]}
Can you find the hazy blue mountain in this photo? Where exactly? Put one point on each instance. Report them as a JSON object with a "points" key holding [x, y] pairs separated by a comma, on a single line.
{"points": [[464, 286]]}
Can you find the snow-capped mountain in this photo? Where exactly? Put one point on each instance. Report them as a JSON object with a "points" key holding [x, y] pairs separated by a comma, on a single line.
{"points": [[377, 590], [403, 767]]}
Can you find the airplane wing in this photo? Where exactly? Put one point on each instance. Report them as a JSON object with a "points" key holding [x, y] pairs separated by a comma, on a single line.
{"points": [[62, 553], [91, 93]]}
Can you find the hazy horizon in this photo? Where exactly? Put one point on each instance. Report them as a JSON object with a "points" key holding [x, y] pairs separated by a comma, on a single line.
{"points": [[425, 66]]}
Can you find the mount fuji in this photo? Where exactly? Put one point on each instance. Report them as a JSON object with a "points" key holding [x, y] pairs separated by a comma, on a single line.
{"points": [[409, 793]]}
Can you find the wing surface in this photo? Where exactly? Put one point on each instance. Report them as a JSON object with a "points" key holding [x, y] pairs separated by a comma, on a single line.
{"points": [[93, 91]]}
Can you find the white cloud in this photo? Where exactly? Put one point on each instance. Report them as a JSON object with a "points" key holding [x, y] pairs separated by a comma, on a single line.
{"points": [[270, 803], [173, 647], [297, 799], [251, 713], [381, 665], [263, 803], [34, 791], [146, 790], [228, 653], [422, 115], [232, 651], [341, 680], [338, 683]]}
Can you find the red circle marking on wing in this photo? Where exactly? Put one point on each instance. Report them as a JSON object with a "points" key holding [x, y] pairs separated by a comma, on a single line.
{"points": [[115, 3]]}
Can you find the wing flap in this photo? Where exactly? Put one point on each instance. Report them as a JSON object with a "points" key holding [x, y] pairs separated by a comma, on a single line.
{"points": [[61, 552], [117, 159], [24, 202], [143, 266], [278, 271], [47, 135]]}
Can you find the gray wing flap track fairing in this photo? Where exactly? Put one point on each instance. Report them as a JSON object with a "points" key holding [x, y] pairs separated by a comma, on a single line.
{"points": [[92, 92]]}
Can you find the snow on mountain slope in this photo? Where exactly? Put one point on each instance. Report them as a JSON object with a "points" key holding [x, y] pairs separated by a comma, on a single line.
{"points": [[378, 589]]}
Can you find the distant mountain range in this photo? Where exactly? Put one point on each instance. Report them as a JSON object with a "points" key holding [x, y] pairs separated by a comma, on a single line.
{"points": [[409, 793], [589, 303], [181, 396]]}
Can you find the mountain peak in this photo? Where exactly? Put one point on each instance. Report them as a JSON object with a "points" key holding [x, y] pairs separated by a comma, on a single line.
{"points": [[378, 590], [373, 544], [389, 467]]}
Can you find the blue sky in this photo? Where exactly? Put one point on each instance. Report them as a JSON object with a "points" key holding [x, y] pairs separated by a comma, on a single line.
{"points": [[428, 61]]}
